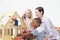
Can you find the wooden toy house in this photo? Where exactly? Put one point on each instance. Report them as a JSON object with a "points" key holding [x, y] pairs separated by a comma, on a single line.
{"points": [[8, 26]]}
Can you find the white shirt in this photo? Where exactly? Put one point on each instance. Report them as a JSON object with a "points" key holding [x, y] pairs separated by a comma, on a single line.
{"points": [[28, 22], [50, 28]]}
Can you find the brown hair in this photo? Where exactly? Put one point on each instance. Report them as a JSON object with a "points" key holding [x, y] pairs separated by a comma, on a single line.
{"points": [[40, 9], [38, 20]]}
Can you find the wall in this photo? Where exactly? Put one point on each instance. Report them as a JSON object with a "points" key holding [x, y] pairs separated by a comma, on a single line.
{"points": [[52, 7]]}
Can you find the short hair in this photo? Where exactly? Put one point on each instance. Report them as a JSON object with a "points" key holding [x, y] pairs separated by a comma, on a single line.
{"points": [[40, 9], [38, 20]]}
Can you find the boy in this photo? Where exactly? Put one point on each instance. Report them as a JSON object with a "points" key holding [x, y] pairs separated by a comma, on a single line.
{"points": [[37, 34]]}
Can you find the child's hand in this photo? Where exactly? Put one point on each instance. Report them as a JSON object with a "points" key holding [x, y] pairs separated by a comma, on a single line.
{"points": [[19, 35], [26, 31]]}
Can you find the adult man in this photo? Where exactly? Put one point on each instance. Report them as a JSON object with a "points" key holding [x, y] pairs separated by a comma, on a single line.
{"points": [[50, 32]]}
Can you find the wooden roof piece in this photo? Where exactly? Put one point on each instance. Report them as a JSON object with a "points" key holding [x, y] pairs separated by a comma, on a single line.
{"points": [[8, 16]]}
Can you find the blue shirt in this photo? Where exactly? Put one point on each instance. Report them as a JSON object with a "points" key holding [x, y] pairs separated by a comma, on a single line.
{"points": [[39, 33]]}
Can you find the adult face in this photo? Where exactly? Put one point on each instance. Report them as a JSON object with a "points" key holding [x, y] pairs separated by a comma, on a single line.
{"points": [[28, 14], [38, 14]]}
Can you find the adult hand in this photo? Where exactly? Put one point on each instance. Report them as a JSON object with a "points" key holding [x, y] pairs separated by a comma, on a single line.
{"points": [[45, 38]]}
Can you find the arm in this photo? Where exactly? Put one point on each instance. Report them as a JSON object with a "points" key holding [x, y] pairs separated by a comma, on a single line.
{"points": [[27, 34], [49, 26], [35, 32]]}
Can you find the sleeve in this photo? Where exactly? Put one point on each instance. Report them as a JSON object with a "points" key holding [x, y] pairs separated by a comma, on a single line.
{"points": [[37, 31], [49, 26]]}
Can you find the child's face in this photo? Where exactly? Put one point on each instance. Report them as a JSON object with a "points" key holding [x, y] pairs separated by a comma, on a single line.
{"points": [[35, 24]]}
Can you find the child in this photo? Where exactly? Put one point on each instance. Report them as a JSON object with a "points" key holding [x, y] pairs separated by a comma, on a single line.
{"points": [[39, 35]]}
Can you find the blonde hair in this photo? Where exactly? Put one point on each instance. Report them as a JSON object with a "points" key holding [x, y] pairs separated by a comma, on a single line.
{"points": [[29, 11]]}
